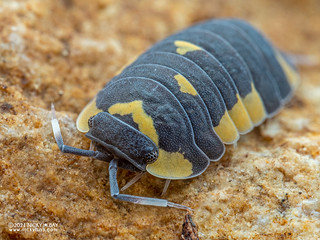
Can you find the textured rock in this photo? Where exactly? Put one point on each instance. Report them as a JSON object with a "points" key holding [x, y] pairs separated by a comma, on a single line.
{"points": [[65, 51]]}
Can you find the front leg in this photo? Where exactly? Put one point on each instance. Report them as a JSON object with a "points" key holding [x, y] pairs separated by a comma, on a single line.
{"points": [[114, 190], [72, 150]]}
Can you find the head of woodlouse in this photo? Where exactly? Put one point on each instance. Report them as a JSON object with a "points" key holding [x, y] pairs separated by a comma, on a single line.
{"points": [[113, 136]]}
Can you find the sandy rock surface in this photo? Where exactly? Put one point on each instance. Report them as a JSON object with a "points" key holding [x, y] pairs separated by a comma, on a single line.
{"points": [[64, 51]]}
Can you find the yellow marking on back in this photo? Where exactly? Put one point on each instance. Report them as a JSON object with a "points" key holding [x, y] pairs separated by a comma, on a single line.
{"points": [[240, 117], [88, 111], [254, 106], [226, 130], [185, 85], [168, 165], [139, 116], [183, 47], [290, 73]]}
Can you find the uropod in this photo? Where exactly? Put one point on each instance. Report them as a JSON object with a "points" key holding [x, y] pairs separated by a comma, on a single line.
{"points": [[171, 111]]}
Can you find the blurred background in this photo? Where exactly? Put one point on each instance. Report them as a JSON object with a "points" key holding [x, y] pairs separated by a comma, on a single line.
{"points": [[65, 51]]}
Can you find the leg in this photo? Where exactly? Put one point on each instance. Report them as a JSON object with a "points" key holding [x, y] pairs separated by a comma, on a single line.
{"points": [[166, 185], [308, 60], [235, 145], [114, 190], [72, 150], [132, 181]]}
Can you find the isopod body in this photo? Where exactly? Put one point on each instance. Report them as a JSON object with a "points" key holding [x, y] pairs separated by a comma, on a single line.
{"points": [[172, 110]]}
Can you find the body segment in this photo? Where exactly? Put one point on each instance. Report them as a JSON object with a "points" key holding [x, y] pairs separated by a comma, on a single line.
{"points": [[186, 94]]}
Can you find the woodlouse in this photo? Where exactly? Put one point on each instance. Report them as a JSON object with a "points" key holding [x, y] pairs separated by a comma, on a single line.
{"points": [[171, 111]]}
